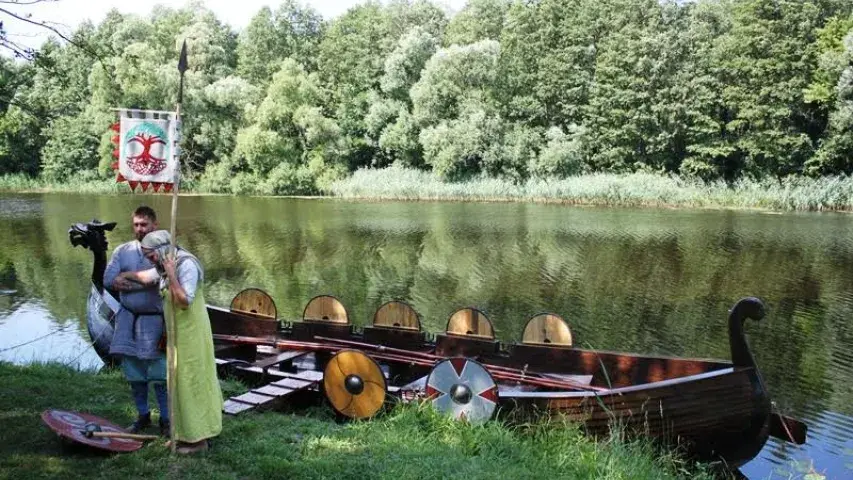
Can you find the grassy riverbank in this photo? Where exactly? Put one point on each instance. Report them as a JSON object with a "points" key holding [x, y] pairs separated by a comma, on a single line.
{"points": [[406, 443], [603, 189], [79, 184], [612, 190]]}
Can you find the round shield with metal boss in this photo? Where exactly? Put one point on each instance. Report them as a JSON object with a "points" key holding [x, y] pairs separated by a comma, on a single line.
{"points": [[463, 389], [354, 384], [79, 427]]}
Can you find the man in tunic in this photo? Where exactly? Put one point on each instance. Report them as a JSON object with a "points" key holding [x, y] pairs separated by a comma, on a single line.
{"points": [[139, 324], [197, 397]]}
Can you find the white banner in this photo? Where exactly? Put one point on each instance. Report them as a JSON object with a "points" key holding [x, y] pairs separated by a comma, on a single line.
{"points": [[148, 146]]}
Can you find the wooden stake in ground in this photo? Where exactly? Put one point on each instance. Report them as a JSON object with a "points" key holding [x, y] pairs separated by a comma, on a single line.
{"points": [[171, 353]]}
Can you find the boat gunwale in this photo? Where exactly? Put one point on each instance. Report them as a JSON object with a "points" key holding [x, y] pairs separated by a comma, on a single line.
{"points": [[507, 350], [553, 395]]}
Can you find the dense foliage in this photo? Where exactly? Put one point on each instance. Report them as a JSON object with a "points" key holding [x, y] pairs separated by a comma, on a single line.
{"points": [[712, 89]]}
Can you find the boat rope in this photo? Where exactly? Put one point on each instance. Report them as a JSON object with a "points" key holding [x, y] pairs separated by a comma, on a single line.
{"points": [[87, 347], [84, 350], [60, 329]]}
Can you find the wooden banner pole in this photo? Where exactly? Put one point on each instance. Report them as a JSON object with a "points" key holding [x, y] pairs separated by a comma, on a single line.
{"points": [[171, 351]]}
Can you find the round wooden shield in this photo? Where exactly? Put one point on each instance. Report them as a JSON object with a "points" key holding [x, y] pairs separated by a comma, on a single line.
{"points": [[547, 329], [354, 384], [327, 309], [470, 321], [254, 302], [397, 314], [463, 389], [72, 425]]}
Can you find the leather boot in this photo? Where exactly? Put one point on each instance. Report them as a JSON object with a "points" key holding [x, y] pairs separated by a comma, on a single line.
{"points": [[165, 427], [142, 422]]}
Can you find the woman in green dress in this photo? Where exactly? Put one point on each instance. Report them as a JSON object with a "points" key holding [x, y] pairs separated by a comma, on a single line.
{"points": [[197, 397]]}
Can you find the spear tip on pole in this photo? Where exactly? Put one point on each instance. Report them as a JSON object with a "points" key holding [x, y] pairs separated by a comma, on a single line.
{"points": [[182, 61]]}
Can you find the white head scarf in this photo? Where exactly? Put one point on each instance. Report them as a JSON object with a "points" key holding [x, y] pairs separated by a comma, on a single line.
{"points": [[160, 240]]}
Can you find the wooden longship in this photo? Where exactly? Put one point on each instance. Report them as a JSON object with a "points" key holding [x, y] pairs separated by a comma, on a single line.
{"points": [[715, 410]]}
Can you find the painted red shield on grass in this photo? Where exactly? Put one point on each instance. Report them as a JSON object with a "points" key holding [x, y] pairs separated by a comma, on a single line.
{"points": [[72, 425]]}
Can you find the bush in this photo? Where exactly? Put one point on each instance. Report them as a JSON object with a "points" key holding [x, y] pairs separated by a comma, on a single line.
{"points": [[217, 177], [288, 179], [245, 183], [264, 149], [70, 148], [562, 155]]}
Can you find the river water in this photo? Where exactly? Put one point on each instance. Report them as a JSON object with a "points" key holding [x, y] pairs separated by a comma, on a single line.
{"points": [[641, 280]]}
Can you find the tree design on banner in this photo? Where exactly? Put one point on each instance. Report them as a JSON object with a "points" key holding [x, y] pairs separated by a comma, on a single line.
{"points": [[147, 149]]}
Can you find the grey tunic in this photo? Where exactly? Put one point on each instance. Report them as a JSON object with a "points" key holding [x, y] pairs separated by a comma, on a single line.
{"points": [[141, 343]]}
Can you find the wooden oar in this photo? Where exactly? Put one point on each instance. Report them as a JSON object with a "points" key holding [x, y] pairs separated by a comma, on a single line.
{"points": [[497, 371], [498, 375], [787, 429], [381, 348], [407, 357], [281, 344]]}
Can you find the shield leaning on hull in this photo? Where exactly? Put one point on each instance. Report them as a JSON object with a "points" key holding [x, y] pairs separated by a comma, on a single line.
{"points": [[462, 388]]}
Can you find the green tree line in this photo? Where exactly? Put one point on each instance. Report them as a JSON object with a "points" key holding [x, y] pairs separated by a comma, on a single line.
{"points": [[713, 89]]}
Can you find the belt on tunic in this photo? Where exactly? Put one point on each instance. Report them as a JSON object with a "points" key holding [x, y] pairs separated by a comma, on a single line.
{"points": [[136, 316]]}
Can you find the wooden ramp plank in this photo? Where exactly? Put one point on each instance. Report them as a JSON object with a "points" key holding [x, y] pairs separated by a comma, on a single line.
{"points": [[292, 383], [253, 398], [280, 358], [231, 407], [271, 395], [273, 390]]}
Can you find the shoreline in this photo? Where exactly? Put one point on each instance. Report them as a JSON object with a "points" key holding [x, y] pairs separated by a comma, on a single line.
{"points": [[381, 199], [635, 190], [405, 442], [437, 199]]}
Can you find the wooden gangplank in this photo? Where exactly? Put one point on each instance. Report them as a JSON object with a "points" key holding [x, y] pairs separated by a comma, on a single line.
{"points": [[272, 395]]}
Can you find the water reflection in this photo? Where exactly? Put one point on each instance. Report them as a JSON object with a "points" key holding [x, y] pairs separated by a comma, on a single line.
{"points": [[653, 281], [29, 333]]}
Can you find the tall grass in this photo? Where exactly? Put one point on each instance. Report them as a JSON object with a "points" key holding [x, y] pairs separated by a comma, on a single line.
{"points": [[605, 189], [602, 189], [406, 442], [84, 182]]}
